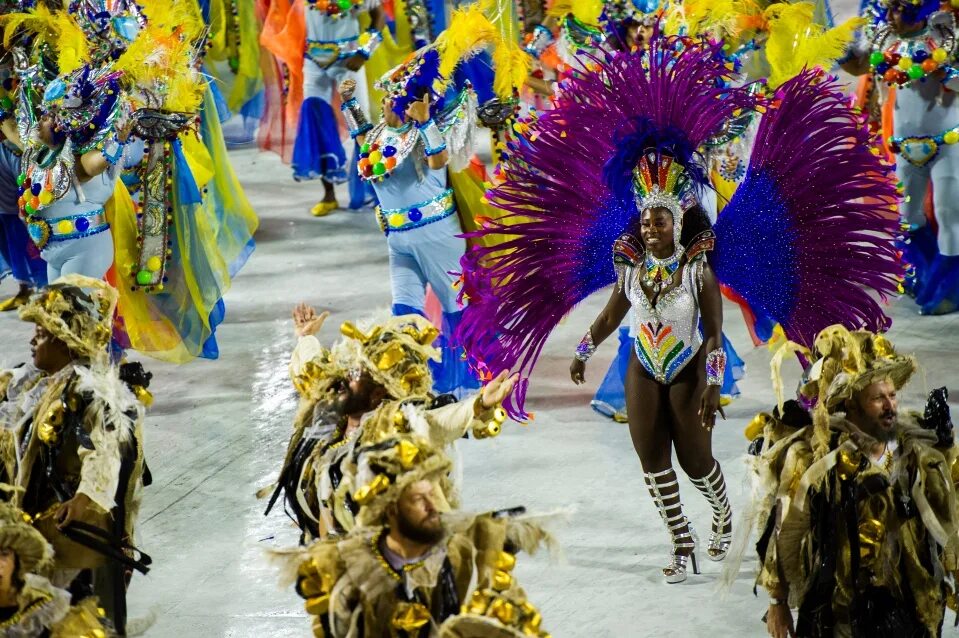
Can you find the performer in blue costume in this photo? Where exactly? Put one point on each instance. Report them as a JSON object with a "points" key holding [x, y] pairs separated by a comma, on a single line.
{"points": [[335, 51], [911, 45], [405, 159], [19, 257]]}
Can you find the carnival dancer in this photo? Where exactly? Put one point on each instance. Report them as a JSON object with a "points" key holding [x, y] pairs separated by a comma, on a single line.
{"points": [[73, 446], [857, 501], [19, 256], [30, 605], [911, 46], [414, 568], [374, 382], [629, 132], [336, 50]]}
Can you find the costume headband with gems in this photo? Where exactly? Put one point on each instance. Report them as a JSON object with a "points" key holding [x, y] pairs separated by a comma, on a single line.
{"points": [[659, 181]]}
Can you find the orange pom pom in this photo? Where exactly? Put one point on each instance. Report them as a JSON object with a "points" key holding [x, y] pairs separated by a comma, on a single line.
{"points": [[929, 65]]}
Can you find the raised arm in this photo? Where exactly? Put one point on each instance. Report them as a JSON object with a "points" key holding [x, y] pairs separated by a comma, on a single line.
{"points": [[605, 324]]}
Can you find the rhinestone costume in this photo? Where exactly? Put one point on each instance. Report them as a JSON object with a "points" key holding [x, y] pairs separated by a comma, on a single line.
{"points": [[667, 336]]}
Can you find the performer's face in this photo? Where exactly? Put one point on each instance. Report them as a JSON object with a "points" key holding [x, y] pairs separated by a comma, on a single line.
{"points": [[656, 228], [8, 567], [898, 21], [874, 410], [416, 516], [49, 353], [358, 396]]}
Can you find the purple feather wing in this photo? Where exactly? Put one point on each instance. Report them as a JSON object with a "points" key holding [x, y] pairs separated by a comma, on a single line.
{"points": [[808, 239], [562, 208]]}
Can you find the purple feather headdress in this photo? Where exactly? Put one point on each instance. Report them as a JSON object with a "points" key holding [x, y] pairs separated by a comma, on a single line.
{"points": [[566, 196]]}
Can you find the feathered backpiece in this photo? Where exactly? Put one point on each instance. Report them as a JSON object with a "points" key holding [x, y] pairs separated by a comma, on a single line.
{"points": [[569, 192], [808, 238]]}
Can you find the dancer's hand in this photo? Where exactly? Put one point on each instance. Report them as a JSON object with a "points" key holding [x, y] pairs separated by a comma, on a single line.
{"points": [[496, 391], [72, 510], [347, 89], [355, 62], [305, 320], [419, 111], [779, 622], [709, 405], [577, 371]]}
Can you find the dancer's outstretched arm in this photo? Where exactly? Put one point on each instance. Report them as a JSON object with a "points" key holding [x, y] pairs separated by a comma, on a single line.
{"points": [[606, 324]]}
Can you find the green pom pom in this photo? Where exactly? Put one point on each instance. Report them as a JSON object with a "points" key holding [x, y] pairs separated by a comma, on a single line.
{"points": [[345, 4], [379, 168], [21, 178], [875, 58], [30, 210], [144, 277], [365, 148], [915, 72]]}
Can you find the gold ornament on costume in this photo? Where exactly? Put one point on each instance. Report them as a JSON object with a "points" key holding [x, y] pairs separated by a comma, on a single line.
{"points": [[847, 463], [493, 427], [871, 534], [410, 616], [377, 486], [52, 422]]}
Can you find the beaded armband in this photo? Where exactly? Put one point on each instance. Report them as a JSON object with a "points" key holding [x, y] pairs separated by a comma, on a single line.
{"points": [[355, 118], [432, 137], [372, 42], [715, 367], [586, 348], [112, 149]]}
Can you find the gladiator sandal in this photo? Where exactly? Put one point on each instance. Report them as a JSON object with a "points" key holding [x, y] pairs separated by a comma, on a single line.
{"points": [[713, 487], [664, 489]]}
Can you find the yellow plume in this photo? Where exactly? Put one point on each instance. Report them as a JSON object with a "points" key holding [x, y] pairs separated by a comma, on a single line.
{"points": [[468, 32], [795, 41], [512, 66], [588, 11], [59, 31]]}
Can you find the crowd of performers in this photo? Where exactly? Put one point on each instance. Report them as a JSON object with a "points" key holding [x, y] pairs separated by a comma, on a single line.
{"points": [[674, 153]]}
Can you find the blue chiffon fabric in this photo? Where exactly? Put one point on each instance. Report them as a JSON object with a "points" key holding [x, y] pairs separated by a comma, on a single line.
{"points": [[318, 151]]}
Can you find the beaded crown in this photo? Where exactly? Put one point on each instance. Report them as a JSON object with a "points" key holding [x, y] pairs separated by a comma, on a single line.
{"points": [[660, 181]]}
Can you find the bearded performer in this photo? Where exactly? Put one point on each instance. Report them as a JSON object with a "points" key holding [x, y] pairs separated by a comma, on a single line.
{"points": [[910, 46], [72, 441], [413, 567], [30, 605], [857, 502], [617, 158], [373, 383]]}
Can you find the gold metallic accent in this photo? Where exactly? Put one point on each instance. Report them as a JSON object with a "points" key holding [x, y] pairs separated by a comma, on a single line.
{"points": [[499, 415], [393, 355], [399, 419], [407, 453], [478, 603], [755, 428], [410, 616], [502, 580], [871, 534], [505, 561], [350, 331], [144, 396], [317, 605], [883, 347], [366, 493], [502, 610], [49, 428], [532, 624], [847, 464]]}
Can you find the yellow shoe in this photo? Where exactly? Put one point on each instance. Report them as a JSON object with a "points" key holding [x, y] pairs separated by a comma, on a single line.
{"points": [[324, 208], [15, 302]]}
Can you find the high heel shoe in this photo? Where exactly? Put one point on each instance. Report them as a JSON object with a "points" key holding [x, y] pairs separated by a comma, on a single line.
{"points": [[664, 488], [713, 487]]}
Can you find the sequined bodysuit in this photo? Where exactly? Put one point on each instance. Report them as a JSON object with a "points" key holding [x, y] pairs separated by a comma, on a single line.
{"points": [[667, 337]]}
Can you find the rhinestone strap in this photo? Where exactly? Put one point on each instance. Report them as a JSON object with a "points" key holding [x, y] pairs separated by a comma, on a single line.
{"points": [[715, 367]]}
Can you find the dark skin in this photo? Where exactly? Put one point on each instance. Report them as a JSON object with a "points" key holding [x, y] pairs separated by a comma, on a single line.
{"points": [[859, 65], [52, 355], [873, 411], [683, 413]]}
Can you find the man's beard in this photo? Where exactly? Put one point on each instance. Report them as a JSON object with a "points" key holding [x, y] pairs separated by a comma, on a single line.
{"points": [[886, 433], [419, 533]]}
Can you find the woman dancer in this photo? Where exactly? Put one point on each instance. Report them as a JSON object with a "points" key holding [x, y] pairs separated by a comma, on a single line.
{"points": [[673, 382], [618, 155]]}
